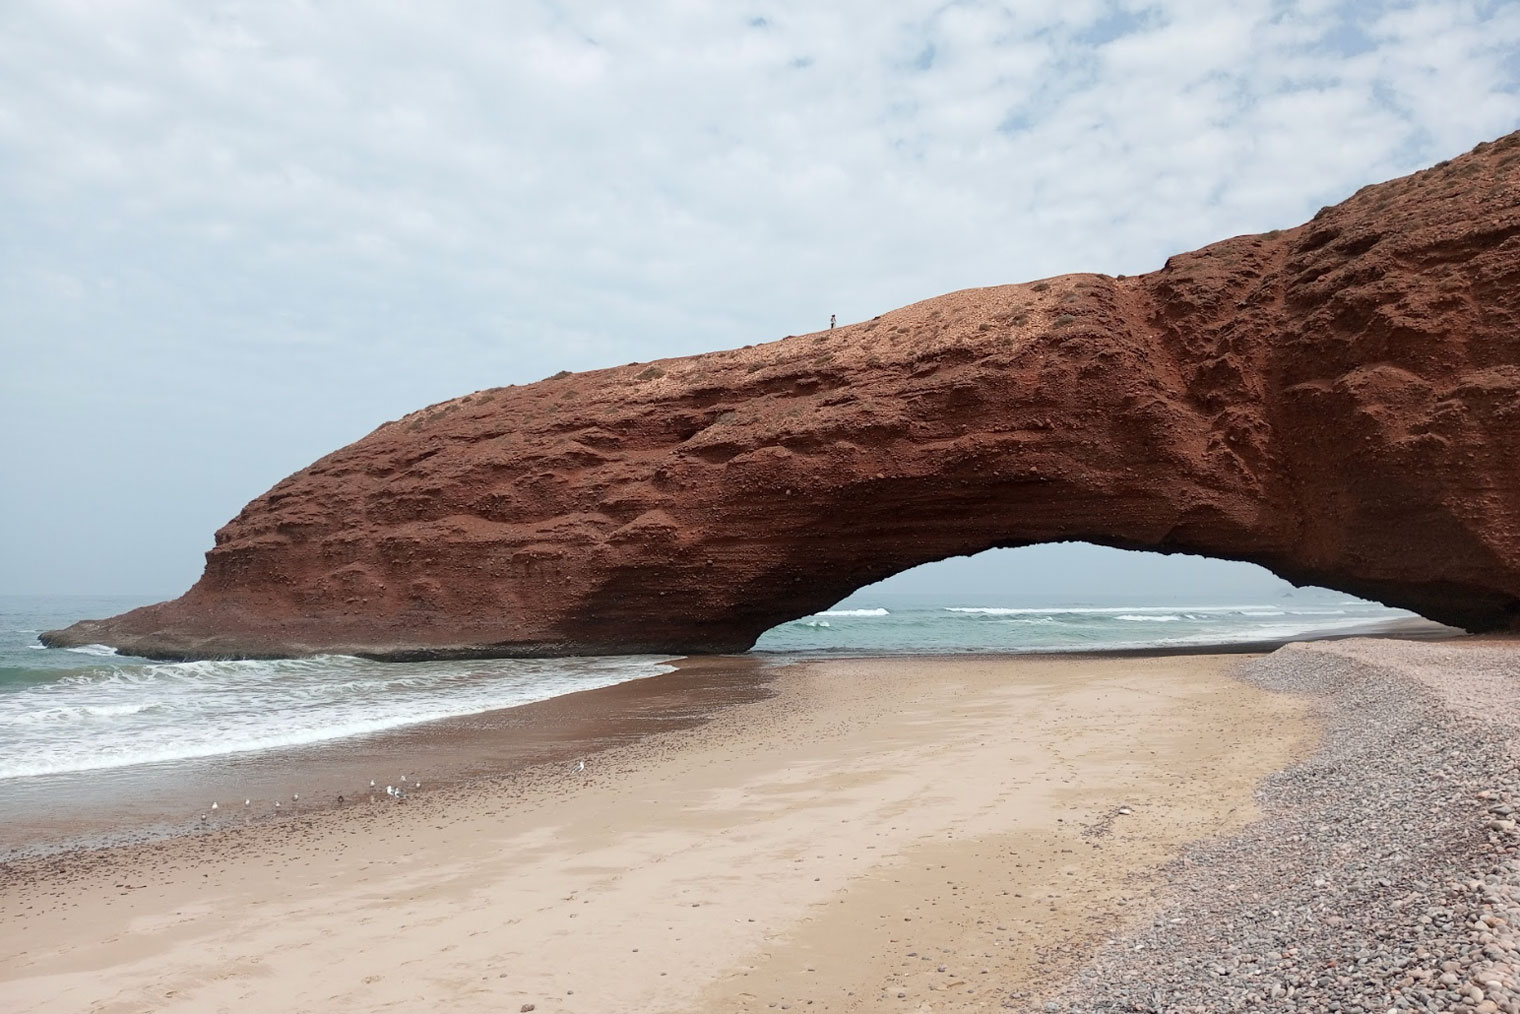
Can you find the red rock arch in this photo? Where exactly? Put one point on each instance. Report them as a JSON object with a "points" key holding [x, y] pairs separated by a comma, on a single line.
{"points": [[1339, 403]]}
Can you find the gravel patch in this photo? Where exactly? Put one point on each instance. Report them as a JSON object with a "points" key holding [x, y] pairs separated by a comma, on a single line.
{"points": [[1384, 875]]}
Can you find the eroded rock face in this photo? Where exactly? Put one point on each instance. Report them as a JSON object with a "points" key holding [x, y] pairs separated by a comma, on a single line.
{"points": [[1338, 402]]}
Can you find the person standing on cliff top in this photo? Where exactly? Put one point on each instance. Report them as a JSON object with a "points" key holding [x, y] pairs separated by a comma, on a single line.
{"points": [[832, 318]]}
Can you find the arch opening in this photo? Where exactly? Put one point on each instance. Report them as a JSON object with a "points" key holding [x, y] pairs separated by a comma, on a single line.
{"points": [[1079, 596]]}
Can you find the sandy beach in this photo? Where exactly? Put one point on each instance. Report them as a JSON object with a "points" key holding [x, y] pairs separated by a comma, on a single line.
{"points": [[875, 830], [1327, 827]]}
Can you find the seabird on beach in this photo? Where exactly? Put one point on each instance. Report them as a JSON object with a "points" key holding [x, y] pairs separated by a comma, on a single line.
{"points": [[213, 806], [580, 766], [295, 797], [247, 801], [390, 790]]}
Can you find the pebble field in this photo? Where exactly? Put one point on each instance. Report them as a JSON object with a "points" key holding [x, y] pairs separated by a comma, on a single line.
{"points": [[1385, 874]]}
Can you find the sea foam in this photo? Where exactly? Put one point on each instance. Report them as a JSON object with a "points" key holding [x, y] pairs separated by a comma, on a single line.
{"points": [[122, 714], [93, 649]]}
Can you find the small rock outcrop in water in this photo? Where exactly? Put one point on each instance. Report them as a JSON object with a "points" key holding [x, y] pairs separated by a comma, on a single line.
{"points": [[1339, 402]]}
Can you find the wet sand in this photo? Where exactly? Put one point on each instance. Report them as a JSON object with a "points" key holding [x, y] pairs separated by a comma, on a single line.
{"points": [[148, 801], [860, 834]]}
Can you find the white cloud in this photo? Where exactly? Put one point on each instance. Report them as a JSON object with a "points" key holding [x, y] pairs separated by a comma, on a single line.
{"points": [[262, 228]]}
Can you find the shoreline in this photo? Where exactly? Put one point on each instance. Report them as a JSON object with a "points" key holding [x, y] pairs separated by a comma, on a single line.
{"points": [[1330, 826], [723, 861], [110, 807], [136, 804]]}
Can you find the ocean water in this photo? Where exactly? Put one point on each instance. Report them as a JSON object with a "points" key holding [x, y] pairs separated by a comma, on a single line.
{"points": [[932, 626], [89, 709], [65, 711]]}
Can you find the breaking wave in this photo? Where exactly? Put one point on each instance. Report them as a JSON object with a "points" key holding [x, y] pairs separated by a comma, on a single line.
{"points": [[116, 715]]}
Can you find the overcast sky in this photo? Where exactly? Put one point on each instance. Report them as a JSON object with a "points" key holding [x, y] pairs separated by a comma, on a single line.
{"points": [[239, 235]]}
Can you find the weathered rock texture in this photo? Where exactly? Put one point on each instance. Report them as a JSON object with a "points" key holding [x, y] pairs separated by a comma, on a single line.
{"points": [[1338, 402]]}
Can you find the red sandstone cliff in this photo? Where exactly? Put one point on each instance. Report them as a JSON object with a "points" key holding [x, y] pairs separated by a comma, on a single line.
{"points": [[1338, 402]]}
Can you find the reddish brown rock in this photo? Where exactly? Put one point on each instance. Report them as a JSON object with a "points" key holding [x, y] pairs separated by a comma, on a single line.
{"points": [[1338, 402]]}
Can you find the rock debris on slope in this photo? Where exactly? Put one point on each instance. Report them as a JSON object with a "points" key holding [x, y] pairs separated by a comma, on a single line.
{"points": [[1384, 877]]}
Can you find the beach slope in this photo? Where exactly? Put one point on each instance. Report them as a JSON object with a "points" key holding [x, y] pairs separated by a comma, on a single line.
{"points": [[878, 834]]}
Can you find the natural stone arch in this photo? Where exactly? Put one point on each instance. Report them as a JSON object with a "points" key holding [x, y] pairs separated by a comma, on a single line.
{"points": [[1339, 403]]}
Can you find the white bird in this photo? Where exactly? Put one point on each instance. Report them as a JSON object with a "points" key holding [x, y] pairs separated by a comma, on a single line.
{"points": [[247, 801], [580, 766], [390, 790], [276, 804], [213, 806], [372, 783], [203, 816], [295, 797], [403, 779]]}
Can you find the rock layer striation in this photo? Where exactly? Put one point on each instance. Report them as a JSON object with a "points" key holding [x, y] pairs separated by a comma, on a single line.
{"points": [[1338, 402]]}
